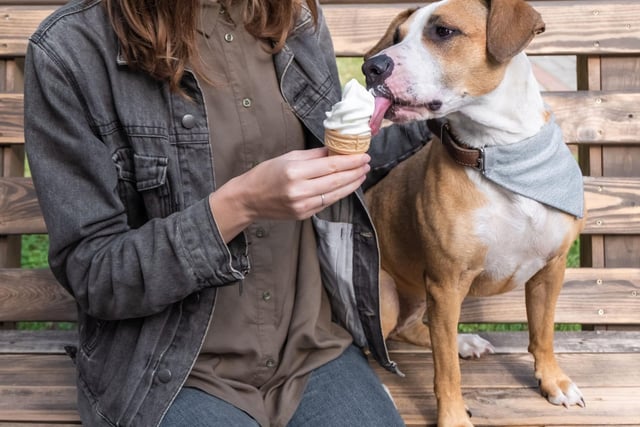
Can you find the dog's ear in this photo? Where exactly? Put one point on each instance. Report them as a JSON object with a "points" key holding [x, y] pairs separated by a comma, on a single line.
{"points": [[511, 25], [392, 35]]}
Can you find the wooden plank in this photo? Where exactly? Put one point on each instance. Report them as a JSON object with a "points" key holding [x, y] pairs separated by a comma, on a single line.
{"points": [[33, 295], [586, 117], [52, 404], [613, 205], [502, 390], [37, 341], [616, 73], [19, 208], [11, 118], [589, 296], [37, 389], [577, 27], [608, 406], [597, 117], [513, 371], [509, 342]]}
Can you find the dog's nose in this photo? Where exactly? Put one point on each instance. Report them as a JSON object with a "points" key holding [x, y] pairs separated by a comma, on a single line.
{"points": [[377, 69]]}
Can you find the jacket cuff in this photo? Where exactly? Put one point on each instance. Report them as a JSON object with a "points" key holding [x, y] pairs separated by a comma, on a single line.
{"points": [[211, 259]]}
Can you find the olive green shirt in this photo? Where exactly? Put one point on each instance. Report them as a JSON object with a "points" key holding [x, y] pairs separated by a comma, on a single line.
{"points": [[270, 331]]}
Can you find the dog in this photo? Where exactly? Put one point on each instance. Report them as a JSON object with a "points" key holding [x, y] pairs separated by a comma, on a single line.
{"points": [[492, 203]]}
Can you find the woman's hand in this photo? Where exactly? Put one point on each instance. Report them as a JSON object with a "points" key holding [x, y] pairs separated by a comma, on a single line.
{"points": [[295, 185]]}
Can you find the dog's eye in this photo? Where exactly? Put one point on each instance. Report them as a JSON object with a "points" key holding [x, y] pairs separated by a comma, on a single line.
{"points": [[444, 32]]}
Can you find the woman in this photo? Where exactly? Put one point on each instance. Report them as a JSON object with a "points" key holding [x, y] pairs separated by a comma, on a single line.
{"points": [[176, 151]]}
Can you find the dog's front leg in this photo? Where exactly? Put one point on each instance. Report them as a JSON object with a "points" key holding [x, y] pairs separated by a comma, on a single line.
{"points": [[542, 292], [444, 300]]}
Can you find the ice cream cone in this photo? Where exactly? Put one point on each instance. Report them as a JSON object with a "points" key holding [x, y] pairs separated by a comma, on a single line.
{"points": [[340, 143]]}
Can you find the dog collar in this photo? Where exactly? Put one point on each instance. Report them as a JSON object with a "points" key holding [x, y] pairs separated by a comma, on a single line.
{"points": [[541, 167], [465, 156]]}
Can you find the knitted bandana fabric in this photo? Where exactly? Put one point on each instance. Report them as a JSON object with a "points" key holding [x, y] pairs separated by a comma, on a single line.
{"points": [[541, 168]]}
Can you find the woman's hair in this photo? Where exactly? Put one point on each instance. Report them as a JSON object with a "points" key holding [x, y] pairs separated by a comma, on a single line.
{"points": [[159, 36]]}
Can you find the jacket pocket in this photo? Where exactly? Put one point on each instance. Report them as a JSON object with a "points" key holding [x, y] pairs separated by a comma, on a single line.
{"points": [[143, 185]]}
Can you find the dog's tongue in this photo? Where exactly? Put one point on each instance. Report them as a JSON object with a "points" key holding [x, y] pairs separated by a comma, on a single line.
{"points": [[381, 106]]}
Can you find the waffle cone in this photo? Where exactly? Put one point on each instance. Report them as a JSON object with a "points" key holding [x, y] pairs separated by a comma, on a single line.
{"points": [[339, 143]]}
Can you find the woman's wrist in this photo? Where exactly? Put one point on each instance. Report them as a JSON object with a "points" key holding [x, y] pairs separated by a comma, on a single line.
{"points": [[229, 210]]}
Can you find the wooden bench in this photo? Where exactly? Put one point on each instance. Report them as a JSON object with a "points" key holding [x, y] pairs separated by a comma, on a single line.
{"points": [[601, 120]]}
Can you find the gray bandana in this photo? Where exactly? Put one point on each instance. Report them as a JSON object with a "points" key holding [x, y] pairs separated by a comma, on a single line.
{"points": [[541, 168]]}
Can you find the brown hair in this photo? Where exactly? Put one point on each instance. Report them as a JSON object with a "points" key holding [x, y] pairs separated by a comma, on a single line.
{"points": [[159, 37]]}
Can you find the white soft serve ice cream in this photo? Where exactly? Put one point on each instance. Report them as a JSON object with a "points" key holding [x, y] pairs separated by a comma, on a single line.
{"points": [[351, 115]]}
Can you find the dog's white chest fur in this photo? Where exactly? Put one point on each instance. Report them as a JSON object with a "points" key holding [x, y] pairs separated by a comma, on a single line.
{"points": [[521, 234]]}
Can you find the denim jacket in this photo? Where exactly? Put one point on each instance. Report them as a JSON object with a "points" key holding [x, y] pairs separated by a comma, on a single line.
{"points": [[123, 169]]}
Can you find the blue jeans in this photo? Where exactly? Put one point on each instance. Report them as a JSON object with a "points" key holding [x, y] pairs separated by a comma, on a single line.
{"points": [[344, 392]]}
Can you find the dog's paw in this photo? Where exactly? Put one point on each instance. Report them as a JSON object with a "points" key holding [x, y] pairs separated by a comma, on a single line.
{"points": [[471, 345], [564, 393]]}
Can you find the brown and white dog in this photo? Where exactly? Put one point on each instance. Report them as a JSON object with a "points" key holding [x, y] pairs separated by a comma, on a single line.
{"points": [[445, 230]]}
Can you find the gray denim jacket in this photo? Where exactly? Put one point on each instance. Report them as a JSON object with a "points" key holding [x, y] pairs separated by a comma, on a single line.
{"points": [[123, 169]]}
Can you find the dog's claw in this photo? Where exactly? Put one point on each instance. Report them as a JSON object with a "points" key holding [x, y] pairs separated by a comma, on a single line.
{"points": [[566, 397]]}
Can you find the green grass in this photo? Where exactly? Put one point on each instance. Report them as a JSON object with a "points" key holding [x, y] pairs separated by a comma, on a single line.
{"points": [[35, 247], [350, 68]]}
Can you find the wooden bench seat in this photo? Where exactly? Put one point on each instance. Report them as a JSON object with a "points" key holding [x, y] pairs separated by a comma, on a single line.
{"points": [[600, 118]]}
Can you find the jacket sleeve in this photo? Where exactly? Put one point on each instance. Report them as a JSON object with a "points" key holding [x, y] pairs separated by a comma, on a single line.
{"points": [[392, 145], [112, 271]]}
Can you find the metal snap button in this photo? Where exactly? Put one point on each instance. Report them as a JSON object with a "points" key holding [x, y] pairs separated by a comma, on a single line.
{"points": [[228, 37], [270, 363], [266, 295], [246, 103], [260, 233], [188, 121], [164, 375]]}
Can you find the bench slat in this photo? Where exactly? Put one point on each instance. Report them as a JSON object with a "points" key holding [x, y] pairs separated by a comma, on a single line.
{"points": [[33, 295], [36, 341], [54, 341], [577, 27], [606, 406], [499, 389], [573, 27], [19, 208], [586, 117], [589, 296], [11, 118], [597, 117], [614, 206]]}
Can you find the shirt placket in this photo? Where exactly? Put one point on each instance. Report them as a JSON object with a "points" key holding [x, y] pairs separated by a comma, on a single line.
{"points": [[258, 285]]}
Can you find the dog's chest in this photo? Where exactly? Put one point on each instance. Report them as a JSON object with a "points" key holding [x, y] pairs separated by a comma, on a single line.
{"points": [[520, 234]]}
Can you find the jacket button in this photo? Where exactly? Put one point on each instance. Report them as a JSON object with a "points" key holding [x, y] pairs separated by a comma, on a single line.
{"points": [[164, 375], [188, 121]]}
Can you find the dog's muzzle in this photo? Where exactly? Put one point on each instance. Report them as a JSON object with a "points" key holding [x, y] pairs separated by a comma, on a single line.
{"points": [[376, 69]]}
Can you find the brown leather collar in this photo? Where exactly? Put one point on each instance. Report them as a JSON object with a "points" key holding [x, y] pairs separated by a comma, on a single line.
{"points": [[470, 157]]}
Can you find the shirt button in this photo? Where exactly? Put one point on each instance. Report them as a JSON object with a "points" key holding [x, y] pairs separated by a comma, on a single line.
{"points": [[266, 295], [164, 375], [270, 363], [228, 37], [260, 233], [188, 121], [246, 103]]}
